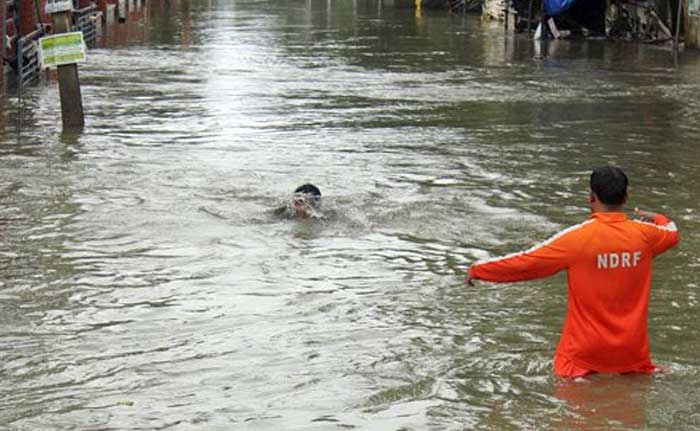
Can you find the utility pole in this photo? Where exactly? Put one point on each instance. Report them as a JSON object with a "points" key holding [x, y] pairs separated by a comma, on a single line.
{"points": [[68, 82]]}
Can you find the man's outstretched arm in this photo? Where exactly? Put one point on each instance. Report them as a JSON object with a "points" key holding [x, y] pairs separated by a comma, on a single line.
{"points": [[540, 261]]}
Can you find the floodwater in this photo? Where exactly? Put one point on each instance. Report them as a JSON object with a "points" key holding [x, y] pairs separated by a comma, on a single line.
{"points": [[145, 283]]}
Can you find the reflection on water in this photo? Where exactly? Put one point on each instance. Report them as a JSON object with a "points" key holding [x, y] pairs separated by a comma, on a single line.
{"points": [[145, 284], [605, 402]]}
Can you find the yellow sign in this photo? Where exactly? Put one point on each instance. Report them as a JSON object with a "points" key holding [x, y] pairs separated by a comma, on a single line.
{"points": [[60, 49]]}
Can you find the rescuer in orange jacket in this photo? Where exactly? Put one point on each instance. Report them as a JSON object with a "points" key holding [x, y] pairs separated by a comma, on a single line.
{"points": [[608, 259]]}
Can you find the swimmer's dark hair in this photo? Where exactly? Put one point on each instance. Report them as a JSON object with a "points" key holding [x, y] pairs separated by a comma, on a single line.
{"points": [[610, 185], [309, 189]]}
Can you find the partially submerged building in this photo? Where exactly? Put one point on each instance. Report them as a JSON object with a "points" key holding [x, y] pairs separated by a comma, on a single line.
{"points": [[647, 21]]}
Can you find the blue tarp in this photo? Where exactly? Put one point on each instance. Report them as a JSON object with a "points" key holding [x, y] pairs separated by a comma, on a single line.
{"points": [[555, 7]]}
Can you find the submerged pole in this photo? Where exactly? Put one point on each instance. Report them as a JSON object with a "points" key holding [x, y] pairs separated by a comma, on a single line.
{"points": [[543, 21], [543, 31], [19, 55], [68, 82], [678, 26]]}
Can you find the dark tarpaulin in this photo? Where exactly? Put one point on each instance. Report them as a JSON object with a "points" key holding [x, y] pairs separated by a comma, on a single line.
{"points": [[556, 7], [583, 13], [571, 15]]}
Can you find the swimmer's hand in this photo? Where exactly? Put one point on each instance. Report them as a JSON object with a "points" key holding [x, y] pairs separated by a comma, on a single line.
{"points": [[647, 216]]}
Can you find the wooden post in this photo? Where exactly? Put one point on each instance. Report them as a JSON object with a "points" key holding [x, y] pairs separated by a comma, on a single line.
{"points": [[68, 82]]}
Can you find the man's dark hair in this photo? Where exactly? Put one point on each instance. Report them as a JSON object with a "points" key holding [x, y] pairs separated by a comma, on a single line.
{"points": [[610, 185], [308, 189]]}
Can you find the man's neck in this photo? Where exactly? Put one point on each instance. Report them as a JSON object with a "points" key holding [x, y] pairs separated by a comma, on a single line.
{"points": [[606, 209]]}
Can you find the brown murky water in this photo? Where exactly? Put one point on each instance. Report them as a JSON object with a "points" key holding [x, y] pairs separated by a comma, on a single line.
{"points": [[144, 283]]}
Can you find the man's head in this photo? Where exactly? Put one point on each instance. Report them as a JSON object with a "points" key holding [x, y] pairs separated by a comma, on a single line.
{"points": [[306, 199], [608, 188]]}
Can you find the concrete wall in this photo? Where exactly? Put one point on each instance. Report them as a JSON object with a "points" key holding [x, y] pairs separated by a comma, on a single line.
{"points": [[692, 33]]}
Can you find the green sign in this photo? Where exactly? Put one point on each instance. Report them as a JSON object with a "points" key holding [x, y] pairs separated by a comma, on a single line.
{"points": [[60, 49], [693, 6]]}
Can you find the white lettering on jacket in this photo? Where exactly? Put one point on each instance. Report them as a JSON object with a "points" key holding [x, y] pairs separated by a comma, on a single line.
{"points": [[619, 260]]}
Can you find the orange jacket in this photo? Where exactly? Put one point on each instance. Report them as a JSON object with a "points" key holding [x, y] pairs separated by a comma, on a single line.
{"points": [[608, 259]]}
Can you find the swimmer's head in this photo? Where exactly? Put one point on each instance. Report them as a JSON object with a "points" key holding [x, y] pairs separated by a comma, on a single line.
{"points": [[305, 200]]}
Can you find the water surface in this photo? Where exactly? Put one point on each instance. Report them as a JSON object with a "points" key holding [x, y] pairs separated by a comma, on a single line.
{"points": [[144, 283]]}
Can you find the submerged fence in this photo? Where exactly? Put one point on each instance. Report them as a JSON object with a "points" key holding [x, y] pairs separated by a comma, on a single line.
{"points": [[24, 22]]}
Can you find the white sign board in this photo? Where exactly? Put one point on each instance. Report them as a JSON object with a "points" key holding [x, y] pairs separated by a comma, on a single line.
{"points": [[55, 6], [60, 49]]}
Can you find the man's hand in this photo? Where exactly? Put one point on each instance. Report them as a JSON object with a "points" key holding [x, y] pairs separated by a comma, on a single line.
{"points": [[647, 216]]}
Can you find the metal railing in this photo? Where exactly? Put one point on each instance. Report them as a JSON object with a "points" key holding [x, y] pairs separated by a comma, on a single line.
{"points": [[28, 67], [25, 61], [88, 20]]}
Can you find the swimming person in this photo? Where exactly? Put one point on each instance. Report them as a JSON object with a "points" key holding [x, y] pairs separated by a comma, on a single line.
{"points": [[305, 203], [608, 259]]}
